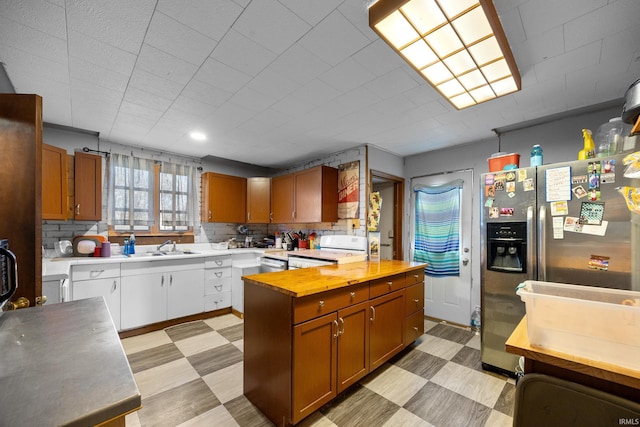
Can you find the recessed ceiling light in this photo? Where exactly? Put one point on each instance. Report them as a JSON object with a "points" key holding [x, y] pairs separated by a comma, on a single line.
{"points": [[198, 136]]}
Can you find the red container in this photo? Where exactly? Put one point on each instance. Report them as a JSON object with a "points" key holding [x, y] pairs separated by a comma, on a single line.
{"points": [[498, 163]]}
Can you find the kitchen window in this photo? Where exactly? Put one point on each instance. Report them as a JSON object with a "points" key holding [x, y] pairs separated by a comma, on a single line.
{"points": [[149, 197]]}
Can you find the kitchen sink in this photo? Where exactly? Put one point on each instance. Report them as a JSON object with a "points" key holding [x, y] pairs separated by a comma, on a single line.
{"points": [[173, 253]]}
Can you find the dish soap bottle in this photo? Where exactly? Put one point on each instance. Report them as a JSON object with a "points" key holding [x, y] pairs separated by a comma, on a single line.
{"points": [[536, 156], [132, 244], [589, 149]]}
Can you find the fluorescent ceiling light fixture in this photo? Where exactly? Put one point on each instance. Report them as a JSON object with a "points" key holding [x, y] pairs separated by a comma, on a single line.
{"points": [[198, 136], [458, 46]]}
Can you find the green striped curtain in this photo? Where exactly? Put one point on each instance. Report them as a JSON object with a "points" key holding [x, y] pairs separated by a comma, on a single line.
{"points": [[437, 237]]}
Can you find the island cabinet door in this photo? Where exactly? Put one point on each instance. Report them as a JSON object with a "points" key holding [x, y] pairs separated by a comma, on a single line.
{"points": [[386, 335], [353, 344], [314, 364]]}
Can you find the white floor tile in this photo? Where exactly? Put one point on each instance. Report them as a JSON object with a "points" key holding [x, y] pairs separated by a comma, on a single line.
{"points": [[474, 342], [132, 420], [226, 383], [165, 377], [145, 342], [226, 320], [202, 342], [497, 419], [395, 384], [218, 416], [473, 384], [316, 420], [442, 348], [239, 344], [405, 418]]}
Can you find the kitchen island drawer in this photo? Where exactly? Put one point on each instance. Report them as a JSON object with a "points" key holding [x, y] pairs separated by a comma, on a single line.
{"points": [[94, 271], [413, 327], [414, 298], [416, 276], [388, 284], [312, 306]]}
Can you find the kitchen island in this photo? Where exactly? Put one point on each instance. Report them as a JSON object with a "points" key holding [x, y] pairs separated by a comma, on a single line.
{"points": [[64, 364], [309, 334]]}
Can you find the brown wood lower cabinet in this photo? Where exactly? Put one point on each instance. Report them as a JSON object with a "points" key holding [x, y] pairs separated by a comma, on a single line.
{"points": [[300, 353]]}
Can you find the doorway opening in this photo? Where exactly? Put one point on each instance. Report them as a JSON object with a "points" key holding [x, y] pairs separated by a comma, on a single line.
{"points": [[391, 189]]}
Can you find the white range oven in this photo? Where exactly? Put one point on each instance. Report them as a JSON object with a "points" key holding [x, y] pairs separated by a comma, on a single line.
{"points": [[337, 249]]}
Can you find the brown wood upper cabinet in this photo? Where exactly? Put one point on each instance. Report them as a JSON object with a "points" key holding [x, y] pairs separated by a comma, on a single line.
{"points": [[224, 198], [55, 203], [306, 196], [258, 200], [88, 187]]}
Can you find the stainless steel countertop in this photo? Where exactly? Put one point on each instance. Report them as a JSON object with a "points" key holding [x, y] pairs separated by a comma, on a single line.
{"points": [[63, 364]]}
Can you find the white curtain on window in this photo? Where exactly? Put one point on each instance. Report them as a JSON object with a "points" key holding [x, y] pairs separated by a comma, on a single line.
{"points": [[131, 190], [178, 191]]}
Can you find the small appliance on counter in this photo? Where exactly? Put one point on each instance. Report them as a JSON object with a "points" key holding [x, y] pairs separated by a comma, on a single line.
{"points": [[63, 248], [9, 273]]}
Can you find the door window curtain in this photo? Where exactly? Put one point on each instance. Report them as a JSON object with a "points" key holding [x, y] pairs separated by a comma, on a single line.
{"points": [[177, 196], [437, 228], [130, 195]]}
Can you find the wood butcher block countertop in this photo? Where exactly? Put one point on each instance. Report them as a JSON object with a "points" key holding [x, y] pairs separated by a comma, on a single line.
{"points": [[309, 281], [518, 343]]}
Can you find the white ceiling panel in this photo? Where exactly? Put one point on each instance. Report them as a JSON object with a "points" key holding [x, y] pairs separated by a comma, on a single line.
{"points": [[274, 82]]}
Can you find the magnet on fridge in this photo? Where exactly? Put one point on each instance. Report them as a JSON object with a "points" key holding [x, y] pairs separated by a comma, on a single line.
{"points": [[511, 195], [579, 179], [507, 211], [499, 185], [511, 186], [494, 212], [579, 192], [489, 191], [522, 175], [528, 185], [488, 203], [488, 179]]}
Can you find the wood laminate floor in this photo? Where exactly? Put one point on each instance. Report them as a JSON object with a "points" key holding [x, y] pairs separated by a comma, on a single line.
{"points": [[191, 375]]}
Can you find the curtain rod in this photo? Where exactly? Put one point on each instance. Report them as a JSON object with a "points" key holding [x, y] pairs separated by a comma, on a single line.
{"points": [[89, 150]]}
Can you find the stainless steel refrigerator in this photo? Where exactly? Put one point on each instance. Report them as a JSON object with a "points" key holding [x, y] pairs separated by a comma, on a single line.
{"points": [[563, 222]]}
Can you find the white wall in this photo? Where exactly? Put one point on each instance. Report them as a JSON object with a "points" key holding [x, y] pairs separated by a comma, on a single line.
{"points": [[383, 161], [560, 140]]}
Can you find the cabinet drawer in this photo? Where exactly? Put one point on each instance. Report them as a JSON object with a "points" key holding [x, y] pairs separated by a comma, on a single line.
{"points": [[217, 273], [218, 261], [414, 298], [94, 271], [416, 276], [386, 285], [217, 301], [413, 327], [309, 307], [213, 287]]}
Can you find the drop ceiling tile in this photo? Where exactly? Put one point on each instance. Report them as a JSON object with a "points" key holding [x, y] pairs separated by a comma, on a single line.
{"points": [[272, 84], [100, 54], [591, 26], [32, 41], [136, 110], [175, 117], [379, 58], [357, 12], [178, 39], [206, 93], [133, 123], [146, 99], [251, 100], [46, 17], [119, 23], [539, 48], [154, 84], [347, 75], [162, 136], [164, 65], [213, 18], [299, 65], [571, 61], [26, 69], [90, 73], [542, 15], [88, 91], [616, 47], [334, 39], [271, 25], [293, 106], [193, 107], [220, 75], [242, 53], [312, 11], [316, 92]]}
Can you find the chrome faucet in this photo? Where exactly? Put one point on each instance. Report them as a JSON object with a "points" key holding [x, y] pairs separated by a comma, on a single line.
{"points": [[160, 246]]}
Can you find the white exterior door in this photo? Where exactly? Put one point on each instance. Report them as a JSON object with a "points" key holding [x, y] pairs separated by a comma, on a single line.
{"points": [[449, 298]]}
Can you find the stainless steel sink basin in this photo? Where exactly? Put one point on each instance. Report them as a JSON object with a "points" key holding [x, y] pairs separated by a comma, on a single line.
{"points": [[174, 253]]}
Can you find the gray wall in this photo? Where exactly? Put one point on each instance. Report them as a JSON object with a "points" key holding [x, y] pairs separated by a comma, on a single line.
{"points": [[560, 139]]}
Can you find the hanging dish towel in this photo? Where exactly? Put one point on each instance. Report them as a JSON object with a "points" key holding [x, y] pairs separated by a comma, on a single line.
{"points": [[437, 241]]}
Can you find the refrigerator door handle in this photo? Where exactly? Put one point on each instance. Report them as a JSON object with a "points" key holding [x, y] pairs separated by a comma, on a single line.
{"points": [[531, 256], [542, 244]]}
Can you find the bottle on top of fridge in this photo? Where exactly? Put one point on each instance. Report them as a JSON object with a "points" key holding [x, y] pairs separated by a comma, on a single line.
{"points": [[589, 149], [536, 156]]}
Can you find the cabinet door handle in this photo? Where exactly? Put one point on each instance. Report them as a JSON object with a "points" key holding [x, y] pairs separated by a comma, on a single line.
{"points": [[95, 273], [78, 209], [390, 284], [353, 295], [341, 331], [336, 333], [373, 313], [270, 216], [248, 216], [218, 262], [417, 301], [170, 279], [321, 303], [293, 214], [209, 214], [115, 286], [162, 281]]}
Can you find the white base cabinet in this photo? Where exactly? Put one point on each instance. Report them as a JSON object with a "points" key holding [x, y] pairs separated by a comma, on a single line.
{"points": [[217, 282], [88, 281], [161, 291]]}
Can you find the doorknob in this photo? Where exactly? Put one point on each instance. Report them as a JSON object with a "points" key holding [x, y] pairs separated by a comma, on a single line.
{"points": [[465, 261]]}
